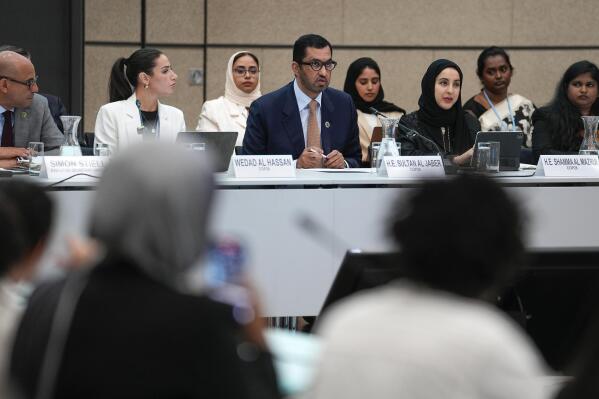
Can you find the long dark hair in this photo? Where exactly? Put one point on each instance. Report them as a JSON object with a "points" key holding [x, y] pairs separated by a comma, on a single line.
{"points": [[123, 76], [565, 117]]}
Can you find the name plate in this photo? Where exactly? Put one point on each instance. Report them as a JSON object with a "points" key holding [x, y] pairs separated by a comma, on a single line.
{"points": [[568, 166], [63, 167], [420, 166], [263, 166]]}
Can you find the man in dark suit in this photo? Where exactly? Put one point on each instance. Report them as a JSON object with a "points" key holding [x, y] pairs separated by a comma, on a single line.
{"points": [[316, 124], [24, 115]]}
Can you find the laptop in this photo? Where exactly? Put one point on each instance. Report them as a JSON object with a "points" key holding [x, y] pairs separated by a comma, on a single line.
{"points": [[509, 148], [220, 144]]}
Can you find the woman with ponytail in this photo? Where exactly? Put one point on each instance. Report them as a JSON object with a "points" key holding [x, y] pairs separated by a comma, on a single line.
{"points": [[134, 113]]}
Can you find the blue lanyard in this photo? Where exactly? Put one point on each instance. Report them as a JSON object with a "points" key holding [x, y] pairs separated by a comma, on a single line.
{"points": [[509, 109]]}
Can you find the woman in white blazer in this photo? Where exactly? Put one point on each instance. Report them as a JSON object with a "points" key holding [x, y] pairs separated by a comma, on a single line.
{"points": [[134, 113], [229, 113]]}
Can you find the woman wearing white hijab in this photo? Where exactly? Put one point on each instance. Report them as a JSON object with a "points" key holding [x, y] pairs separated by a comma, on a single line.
{"points": [[229, 113], [133, 325]]}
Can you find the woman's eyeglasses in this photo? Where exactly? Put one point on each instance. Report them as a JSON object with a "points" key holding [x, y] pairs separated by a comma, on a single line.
{"points": [[241, 71]]}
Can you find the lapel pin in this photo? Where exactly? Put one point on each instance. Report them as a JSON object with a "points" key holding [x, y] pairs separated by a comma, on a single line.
{"points": [[327, 124], [23, 115]]}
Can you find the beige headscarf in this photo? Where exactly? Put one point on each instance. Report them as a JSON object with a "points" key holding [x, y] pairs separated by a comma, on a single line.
{"points": [[233, 93]]}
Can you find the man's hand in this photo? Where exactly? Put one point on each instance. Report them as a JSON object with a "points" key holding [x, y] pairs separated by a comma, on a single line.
{"points": [[13, 152], [8, 163], [334, 160], [311, 158]]}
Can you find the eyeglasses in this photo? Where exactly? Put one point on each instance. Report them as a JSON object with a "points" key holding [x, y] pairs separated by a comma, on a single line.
{"points": [[241, 71], [29, 83], [317, 65]]}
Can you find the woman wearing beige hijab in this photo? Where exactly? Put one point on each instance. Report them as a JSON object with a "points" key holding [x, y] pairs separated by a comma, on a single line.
{"points": [[229, 113]]}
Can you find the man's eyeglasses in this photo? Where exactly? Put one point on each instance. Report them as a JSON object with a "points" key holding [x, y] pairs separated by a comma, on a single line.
{"points": [[29, 83], [317, 65], [241, 71]]}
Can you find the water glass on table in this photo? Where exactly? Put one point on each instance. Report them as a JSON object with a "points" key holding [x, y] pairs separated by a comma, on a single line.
{"points": [[374, 151], [36, 157], [101, 150], [488, 157]]}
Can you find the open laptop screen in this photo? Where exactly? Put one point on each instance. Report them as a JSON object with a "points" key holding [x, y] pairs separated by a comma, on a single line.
{"points": [[220, 144]]}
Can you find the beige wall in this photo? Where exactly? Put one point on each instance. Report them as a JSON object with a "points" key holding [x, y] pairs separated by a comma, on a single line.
{"points": [[421, 32]]}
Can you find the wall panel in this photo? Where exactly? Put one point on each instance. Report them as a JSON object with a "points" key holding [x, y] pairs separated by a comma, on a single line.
{"points": [[175, 21], [98, 63], [112, 20]]}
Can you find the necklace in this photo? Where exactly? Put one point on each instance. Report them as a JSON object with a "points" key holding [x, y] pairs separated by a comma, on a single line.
{"points": [[148, 126], [509, 110], [443, 129]]}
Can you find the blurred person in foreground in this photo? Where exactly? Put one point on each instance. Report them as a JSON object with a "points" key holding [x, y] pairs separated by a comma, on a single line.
{"points": [[431, 334], [26, 218], [140, 322]]}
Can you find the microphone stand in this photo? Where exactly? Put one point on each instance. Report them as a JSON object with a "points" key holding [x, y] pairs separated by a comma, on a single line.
{"points": [[448, 166]]}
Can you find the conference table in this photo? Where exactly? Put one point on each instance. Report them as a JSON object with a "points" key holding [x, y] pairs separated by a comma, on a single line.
{"points": [[296, 231]]}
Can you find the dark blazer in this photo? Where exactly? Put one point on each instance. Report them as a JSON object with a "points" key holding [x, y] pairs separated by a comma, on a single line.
{"points": [[274, 125], [132, 337], [57, 109]]}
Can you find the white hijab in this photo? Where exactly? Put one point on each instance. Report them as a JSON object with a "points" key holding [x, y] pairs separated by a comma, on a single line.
{"points": [[233, 93], [152, 207]]}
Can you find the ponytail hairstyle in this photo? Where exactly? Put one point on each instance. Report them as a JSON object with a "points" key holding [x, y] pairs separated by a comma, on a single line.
{"points": [[124, 73]]}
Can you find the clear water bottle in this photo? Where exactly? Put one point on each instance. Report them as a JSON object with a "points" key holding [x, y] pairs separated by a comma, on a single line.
{"points": [[388, 146]]}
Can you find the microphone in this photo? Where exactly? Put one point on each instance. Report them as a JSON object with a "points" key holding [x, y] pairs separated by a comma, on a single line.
{"points": [[320, 233], [410, 133]]}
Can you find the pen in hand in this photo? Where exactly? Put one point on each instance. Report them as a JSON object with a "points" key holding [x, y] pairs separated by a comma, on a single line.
{"points": [[314, 150]]}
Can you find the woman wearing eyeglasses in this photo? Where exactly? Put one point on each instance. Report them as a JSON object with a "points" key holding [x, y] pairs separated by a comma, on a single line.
{"points": [[134, 113], [229, 113]]}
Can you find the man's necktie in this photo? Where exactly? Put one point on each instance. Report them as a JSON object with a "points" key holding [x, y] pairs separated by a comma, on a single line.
{"points": [[7, 135], [313, 139]]}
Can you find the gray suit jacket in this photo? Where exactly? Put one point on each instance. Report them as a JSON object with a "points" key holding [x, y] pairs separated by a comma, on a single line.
{"points": [[35, 123]]}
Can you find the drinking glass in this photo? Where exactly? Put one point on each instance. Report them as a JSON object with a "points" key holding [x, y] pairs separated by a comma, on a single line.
{"points": [[374, 150], [36, 157], [101, 150], [488, 157]]}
